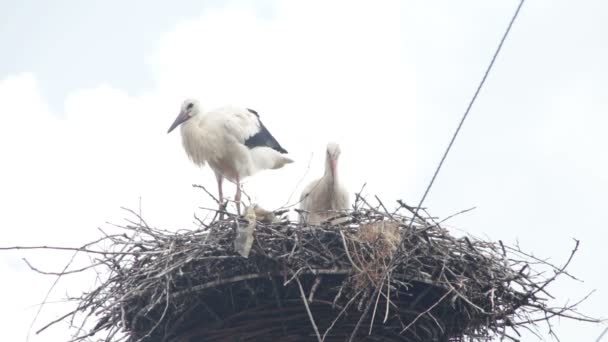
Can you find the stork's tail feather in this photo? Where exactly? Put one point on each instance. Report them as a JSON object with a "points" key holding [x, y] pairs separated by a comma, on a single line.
{"points": [[267, 158], [280, 162]]}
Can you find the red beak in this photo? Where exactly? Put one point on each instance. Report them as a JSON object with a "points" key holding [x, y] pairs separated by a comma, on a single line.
{"points": [[333, 167], [183, 116]]}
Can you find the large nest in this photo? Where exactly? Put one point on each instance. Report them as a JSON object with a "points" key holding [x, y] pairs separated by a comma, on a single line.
{"points": [[377, 276]]}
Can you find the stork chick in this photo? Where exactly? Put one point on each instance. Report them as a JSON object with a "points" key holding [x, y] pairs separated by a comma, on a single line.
{"points": [[232, 140], [323, 197]]}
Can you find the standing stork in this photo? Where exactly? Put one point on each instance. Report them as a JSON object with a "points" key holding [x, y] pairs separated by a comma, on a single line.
{"points": [[322, 197], [232, 140]]}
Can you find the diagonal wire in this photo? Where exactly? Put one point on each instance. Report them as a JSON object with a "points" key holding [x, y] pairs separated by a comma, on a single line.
{"points": [[466, 113], [602, 335]]}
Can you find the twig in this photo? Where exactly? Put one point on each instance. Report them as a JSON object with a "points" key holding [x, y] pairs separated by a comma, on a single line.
{"points": [[341, 313], [456, 214], [371, 322], [312, 320], [76, 249], [61, 273], [383, 207], [348, 253], [388, 299], [208, 193], [412, 210], [57, 320], [315, 285], [426, 311]]}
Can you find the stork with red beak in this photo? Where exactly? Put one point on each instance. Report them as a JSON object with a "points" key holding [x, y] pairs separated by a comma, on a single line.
{"points": [[326, 196], [232, 140]]}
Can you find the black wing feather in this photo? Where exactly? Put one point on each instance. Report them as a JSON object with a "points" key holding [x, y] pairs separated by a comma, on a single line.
{"points": [[263, 137]]}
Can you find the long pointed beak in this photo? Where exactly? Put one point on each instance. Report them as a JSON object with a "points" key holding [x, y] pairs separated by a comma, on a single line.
{"points": [[183, 116], [333, 167]]}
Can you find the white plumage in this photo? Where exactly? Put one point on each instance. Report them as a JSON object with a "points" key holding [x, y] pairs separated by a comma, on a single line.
{"points": [[232, 140], [323, 197]]}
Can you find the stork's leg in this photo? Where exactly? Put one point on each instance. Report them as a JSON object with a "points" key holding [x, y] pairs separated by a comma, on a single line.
{"points": [[220, 180], [237, 197]]}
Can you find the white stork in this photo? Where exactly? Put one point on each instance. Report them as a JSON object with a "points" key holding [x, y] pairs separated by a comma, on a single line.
{"points": [[232, 140], [322, 197]]}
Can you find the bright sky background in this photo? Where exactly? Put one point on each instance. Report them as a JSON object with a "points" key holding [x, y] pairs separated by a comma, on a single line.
{"points": [[89, 88]]}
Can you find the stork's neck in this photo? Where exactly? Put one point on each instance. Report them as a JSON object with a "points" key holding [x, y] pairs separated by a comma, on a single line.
{"points": [[332, 177]]}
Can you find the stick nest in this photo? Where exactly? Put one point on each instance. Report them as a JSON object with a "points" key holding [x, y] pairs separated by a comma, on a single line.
{"points": [[377, 276]]}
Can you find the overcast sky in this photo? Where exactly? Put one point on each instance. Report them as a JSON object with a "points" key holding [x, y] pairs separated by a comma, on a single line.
{"points": [[89, 88]]}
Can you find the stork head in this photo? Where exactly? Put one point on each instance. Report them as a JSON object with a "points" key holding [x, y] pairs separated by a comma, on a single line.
{"points": [[333, 152], [190, 108]]}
